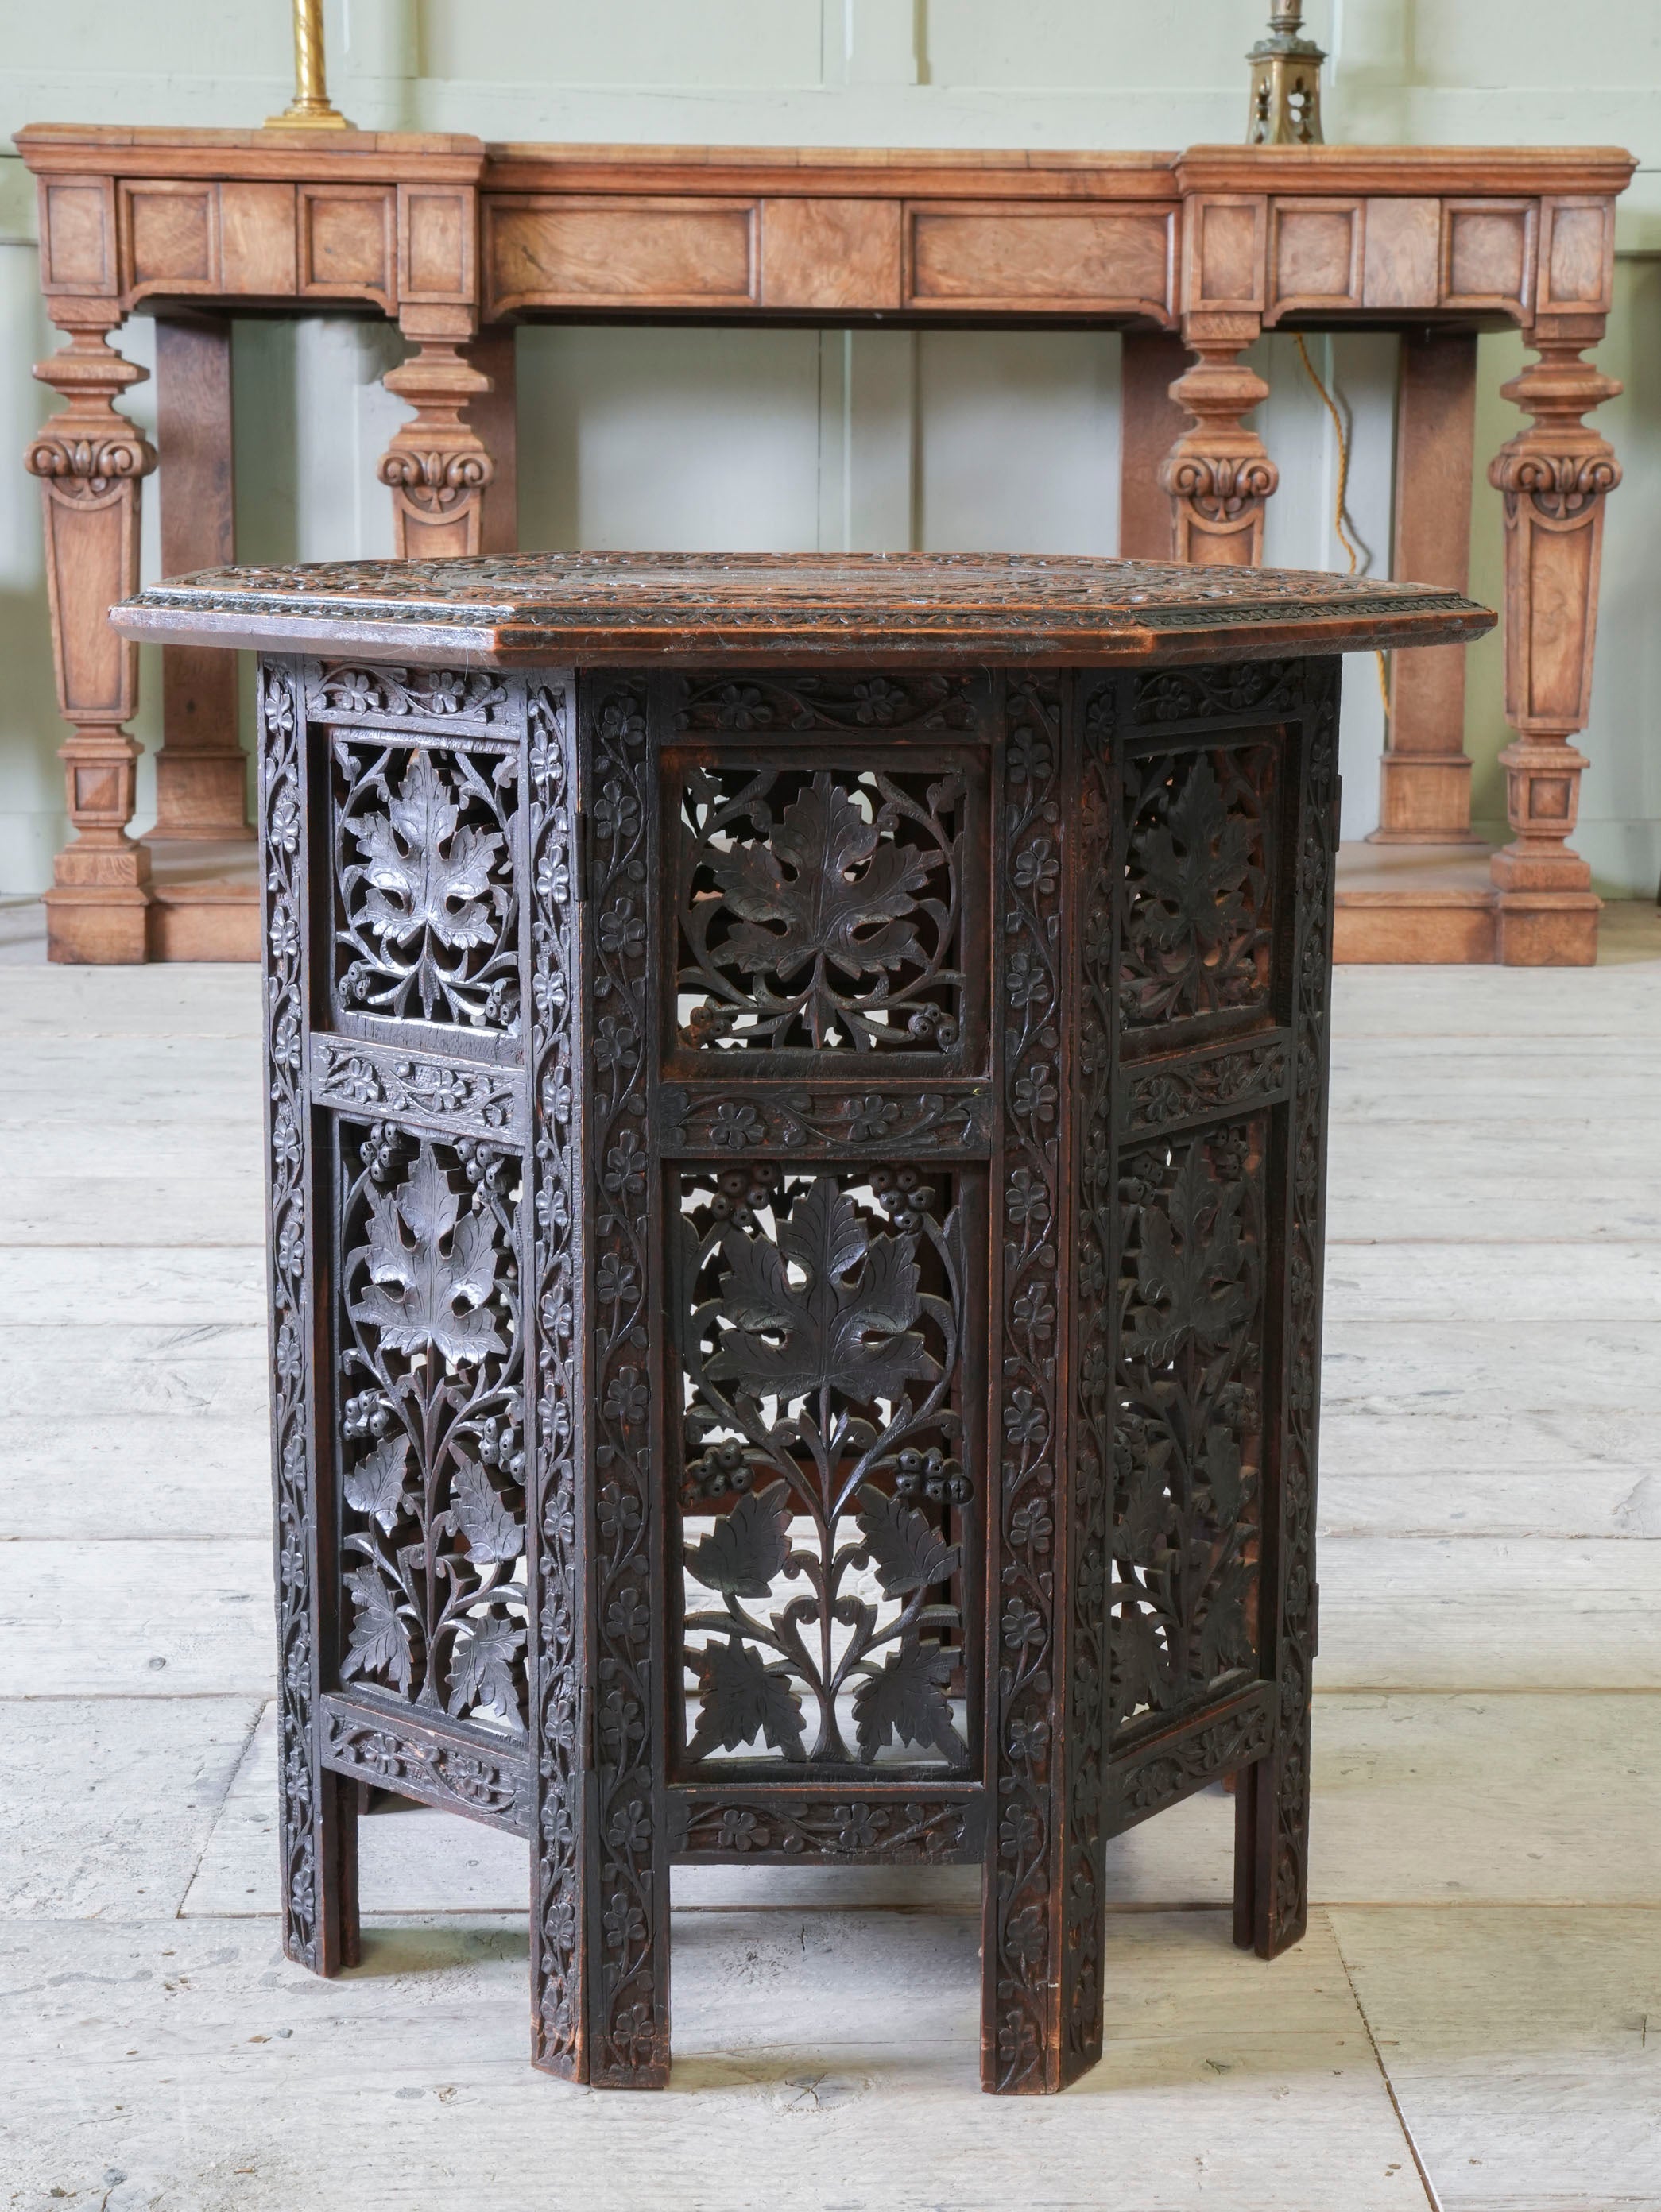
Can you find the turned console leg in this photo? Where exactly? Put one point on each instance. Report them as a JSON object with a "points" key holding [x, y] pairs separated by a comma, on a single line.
{"points": [[1424, 777], [1218, 475], [90, 460], [1151, 421], [1555, 476], [201, 775], [437, 466]]}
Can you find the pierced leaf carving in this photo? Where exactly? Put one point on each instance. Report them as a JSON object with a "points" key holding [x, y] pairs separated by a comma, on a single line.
{"points": [[1194, 1273], [376, 1485], [1187, 1438], [743, 1555], [492, 1533], [906, 1701], [818, 1368], [426, 907], [482, 1667], [379, 1639], [1223, 1641], [433, 1506], [820, 908], [434, 1288], [825, 888], [1197, 918], [425, 870], [907, 1550], [743, 1698], [847, 1327]]}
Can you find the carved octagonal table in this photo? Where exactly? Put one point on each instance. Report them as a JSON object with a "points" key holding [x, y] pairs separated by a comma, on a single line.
{"points": [[797, 1093]]}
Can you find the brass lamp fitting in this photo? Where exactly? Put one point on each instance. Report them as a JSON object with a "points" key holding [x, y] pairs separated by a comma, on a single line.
{"points": [[311, 108], [1286, 84]]}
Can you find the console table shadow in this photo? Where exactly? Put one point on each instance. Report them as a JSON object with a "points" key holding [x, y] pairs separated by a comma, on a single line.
{"points": [[796, 1123], [1190, 255]]}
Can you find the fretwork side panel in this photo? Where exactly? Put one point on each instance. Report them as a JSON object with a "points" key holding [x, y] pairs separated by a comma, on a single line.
{"points": [[824, 1125], [1202, 965]]}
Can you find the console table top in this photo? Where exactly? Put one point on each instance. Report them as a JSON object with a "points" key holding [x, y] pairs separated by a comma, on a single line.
{"points": [[691, 608]]}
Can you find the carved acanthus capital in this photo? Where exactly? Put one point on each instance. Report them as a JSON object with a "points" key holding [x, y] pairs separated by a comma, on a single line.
{"points": [[1220, 486], [436, 482], [90, 449], [89, 467], [1560, 486], [437, 466], [1562, 468], [1217, 474]]}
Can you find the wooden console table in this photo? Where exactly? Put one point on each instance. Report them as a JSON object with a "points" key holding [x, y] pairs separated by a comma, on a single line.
{"points": [[1190, 255], [796, 1112]]}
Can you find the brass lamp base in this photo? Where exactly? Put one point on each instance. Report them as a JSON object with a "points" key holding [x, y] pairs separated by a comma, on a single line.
{"points": [[308, 115]]}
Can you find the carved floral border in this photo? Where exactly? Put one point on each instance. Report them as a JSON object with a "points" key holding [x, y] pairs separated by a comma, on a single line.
{"points": [[288, 1123]]}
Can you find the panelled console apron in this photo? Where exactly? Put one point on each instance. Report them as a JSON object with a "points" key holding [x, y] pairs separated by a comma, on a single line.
{"points": [[796, 1106]]}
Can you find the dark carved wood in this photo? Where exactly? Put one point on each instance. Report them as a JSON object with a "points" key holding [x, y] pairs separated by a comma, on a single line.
{"points": [[874, 1422]]}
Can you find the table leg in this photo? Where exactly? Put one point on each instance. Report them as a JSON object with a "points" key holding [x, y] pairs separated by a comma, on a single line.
{"points": [[1271, 1863], [599, 1969], [1555, 476], [495, 416], [1424, 792], [90, 460], [1040, 1944], [317, 1810], [1218, 475], [437, 466], [201, 775], [1151, 422]]}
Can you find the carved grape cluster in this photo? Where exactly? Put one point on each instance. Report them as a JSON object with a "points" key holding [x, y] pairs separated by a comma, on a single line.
{"points": [[367, 1414], [931, 1474], [904, 1196]]}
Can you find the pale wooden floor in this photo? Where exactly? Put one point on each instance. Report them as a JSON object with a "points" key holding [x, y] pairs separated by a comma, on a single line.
{"points": [[1474, 2020]]}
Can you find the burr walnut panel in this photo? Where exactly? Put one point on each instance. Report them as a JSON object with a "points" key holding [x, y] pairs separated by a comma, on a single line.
{"points": [[1404, 239], [592, 252], [436, 229], [77, 236], [1487, 254], [258, 243], [1223, 243], [1059, 259], [346, 242], [831, 253], [1315, 253], [1576, 243], [167, 233]]}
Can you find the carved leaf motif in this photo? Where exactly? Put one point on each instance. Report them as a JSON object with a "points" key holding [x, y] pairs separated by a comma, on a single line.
{"points": [[846, 1328], [482, 1668], [907, 1550], [379, 1639], [743, 1697], [491, 1531], [907, 1702], [1223, 1641], [743, 1555], [1221, 1467], [1193, 1271], [375, 1485], [434, 1289], [425, 871], [845, 896], [1201, 889]]}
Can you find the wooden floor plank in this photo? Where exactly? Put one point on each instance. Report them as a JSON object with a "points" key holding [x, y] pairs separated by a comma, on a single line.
{"points": [[1522, 2048], [100, 1818], [824, 2060]]}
